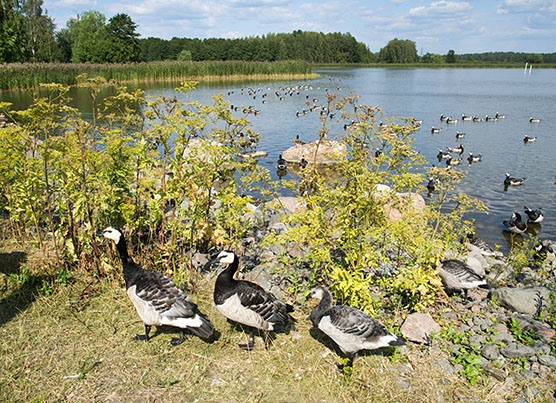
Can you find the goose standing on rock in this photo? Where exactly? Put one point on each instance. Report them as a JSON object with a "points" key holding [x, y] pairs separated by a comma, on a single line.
{"points": [[458, 275], [248, 303], [351, 329], [158, 300]]}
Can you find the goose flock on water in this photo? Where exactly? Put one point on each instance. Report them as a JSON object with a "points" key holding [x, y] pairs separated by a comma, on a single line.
{"points": [[452, 157]]}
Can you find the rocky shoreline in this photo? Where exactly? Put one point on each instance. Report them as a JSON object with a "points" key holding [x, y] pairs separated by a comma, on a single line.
{"points": [[497, 332]]}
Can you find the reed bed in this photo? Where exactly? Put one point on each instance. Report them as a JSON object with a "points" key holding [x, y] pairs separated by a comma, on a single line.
{"points": [[30, 75]]}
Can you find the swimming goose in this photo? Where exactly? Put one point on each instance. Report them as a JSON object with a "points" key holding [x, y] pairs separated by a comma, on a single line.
{"points": [[451, 121], [499, 116], [246, 302], [490, 119], [459, 135], [458, 275], [435, 130], [452, 162], [281, 164], [443, 155], [515, 224], [477, 119], [157, 299], [534, 120], [528, 139], [466, 117], [458, 149], [443, 118], [534, 216], [431, 185], [351, 329], [473, 157], [513, 181]]}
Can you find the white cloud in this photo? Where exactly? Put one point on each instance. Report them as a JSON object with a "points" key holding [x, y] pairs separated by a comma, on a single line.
{"points": [[441, 8]]}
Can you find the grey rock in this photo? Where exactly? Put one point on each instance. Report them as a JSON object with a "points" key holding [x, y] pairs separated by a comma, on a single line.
{"points": [[541, 348], [514, 350], [522, 400], [495, 372], [530, 392], [547, 360], [200, 261], [418, 327], [278, 228], [490, 352], [539, 328], [477, 321], [523, 300], [477, 338], [503, 337], [444, 366]]}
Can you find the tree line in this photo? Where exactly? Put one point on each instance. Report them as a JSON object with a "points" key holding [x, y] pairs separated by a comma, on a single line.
{"points": [[27, 34]]}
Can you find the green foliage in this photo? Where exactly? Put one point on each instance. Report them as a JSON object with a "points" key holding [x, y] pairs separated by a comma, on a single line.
{"points": [[450, 56], [353, 225], [313, 47], [31, 75], [398, 51], [515, 329], [468, 354]]}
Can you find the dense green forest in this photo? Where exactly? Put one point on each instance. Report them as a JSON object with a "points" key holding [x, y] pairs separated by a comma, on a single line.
{"points": [[28, 34]]}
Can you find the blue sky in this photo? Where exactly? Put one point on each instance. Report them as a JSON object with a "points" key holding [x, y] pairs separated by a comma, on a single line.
{"points": [[435, 26]]}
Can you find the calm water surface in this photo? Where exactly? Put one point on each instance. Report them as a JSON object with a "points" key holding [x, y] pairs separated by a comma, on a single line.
{"points": [[426, 94]]}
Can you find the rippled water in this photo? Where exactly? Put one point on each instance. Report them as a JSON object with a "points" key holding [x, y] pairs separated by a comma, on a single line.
{"points": [[426, 94]]}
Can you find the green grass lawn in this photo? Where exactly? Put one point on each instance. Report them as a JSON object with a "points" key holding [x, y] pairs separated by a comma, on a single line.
{"points": [[75, 345]]}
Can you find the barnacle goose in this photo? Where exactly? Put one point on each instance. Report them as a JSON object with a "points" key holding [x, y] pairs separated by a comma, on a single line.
{"points": [[351, 329], [528, 139], [515, 224], [248, 303], [533, 216], [458, 275], [281, 164], [474, 157], [513, 181], [158, 300]]}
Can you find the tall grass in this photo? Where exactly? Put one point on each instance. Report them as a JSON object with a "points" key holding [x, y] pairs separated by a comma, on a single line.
{"points": [[30, 75]]}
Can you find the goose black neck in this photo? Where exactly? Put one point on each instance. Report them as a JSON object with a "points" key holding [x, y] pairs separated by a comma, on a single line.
{"points": [[122, 249], [324, 304], [228, 274]]}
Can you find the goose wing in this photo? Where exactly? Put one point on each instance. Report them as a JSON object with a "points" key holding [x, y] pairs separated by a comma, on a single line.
{"points": [[164, 295], [255, 298], [355, 322], [460, 270]]}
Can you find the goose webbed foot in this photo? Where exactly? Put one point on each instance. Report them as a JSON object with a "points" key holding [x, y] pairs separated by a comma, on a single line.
{"points": [[143, 337], [176, 341]]}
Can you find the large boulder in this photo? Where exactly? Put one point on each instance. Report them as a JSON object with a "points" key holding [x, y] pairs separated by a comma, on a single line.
{"points": [[418, 327], [328, 152], [526, 300]]}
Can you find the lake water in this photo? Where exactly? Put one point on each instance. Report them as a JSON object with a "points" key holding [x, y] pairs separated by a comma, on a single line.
{"points": [[426, 94]]}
